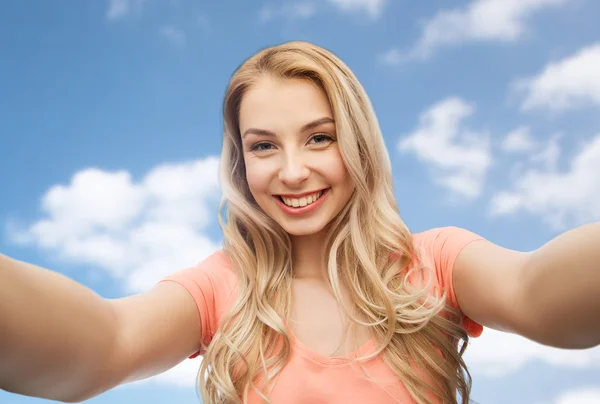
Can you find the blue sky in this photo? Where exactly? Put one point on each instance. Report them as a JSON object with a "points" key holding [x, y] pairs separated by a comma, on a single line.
{"points": [[111, 130]]}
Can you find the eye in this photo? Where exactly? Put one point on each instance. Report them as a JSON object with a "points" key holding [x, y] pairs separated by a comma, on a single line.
{"points": [[261, 147], [321, 138]]}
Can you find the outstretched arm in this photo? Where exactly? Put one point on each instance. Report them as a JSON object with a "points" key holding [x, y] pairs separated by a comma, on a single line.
{"points": [[563, 279], [61, 341], [550, 295], [53, 332]]}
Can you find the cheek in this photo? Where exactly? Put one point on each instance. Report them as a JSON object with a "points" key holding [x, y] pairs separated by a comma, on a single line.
{"points": [[257, 177], [337, 173]]}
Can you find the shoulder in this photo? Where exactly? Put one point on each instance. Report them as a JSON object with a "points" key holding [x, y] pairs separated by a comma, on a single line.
{"points": [[217, 267], [213, 285], [444, 237], [442, 245], [212, 280], [439, 248]]}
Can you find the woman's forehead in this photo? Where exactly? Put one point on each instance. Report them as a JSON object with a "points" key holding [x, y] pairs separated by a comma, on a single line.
{"points": [[276, 102]]}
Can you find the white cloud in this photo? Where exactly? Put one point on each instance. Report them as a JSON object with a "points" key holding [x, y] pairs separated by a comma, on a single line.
{"points": [[372, 7], [548, 155], [459, 157], [173, 34], [495, 354], [266, 13], [519, 140], [566, 84], [559, 198], [478, 21], [139, 232], [302, 10], [589, 395], [120, 8], [117, 9], [392, 57], [182, 375]]}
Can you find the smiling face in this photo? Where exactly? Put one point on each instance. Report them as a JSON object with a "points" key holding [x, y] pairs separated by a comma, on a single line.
{"points": [[293, 165]]}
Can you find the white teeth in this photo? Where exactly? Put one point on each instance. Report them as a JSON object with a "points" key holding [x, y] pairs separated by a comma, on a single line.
{"points": [[306, 200]]}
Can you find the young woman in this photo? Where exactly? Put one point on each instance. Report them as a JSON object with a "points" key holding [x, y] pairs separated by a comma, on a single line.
{"points": [[320, 294]]}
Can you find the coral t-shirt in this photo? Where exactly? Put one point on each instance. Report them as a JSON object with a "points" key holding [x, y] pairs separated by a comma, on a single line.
{"points": [[309, 377]]}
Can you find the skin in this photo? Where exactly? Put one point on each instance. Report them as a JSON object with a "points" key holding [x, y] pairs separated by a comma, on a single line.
{"points": [[291, 160]]}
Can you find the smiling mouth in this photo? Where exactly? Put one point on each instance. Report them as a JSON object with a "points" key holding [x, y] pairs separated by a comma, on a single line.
{"points": [[303, 201]]}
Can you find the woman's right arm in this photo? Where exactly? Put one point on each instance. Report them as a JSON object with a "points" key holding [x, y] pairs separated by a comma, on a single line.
{"points": [[61, 341]]}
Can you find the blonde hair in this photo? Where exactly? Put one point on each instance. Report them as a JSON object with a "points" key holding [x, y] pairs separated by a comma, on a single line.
{"points": [[368, 240]]}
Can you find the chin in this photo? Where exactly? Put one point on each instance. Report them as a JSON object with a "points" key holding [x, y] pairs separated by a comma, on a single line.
{"points": [[302, 230]]}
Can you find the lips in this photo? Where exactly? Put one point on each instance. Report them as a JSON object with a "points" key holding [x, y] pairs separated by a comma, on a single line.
{"points": [[298, 196]]}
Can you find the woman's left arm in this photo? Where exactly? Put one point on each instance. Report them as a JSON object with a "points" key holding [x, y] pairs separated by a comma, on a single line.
{"points": [[550, 295]]}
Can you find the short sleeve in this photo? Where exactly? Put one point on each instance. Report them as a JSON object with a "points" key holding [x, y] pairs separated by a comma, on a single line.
{"points": [[442, 246], [212, 284]]}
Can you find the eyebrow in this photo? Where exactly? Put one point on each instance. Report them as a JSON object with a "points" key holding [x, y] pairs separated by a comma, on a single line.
{"points": [[308, 126]]}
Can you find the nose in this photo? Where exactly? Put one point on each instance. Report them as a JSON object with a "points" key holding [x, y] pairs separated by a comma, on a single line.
{"points": [[293, 170]]}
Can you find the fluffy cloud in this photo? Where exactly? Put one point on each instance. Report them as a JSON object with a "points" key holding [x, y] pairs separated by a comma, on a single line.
{"points": [[518, 141], [137, 231], [117, 9], [560, 198], [590, 395], [120, 8], [459, 157], [565, 84], [372, 7], [392, 57], [182, 375], [306, 9], [478, 21], [496, 354]]}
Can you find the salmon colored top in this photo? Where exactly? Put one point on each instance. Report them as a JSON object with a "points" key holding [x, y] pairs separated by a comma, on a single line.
{"points": [[310, 377]]}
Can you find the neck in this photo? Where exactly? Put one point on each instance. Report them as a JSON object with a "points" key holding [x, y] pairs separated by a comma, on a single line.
{"points": [[308, 253]]}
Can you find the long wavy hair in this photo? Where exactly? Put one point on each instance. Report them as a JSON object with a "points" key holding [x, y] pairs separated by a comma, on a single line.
{"points": [[370, 253]]}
